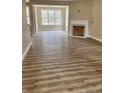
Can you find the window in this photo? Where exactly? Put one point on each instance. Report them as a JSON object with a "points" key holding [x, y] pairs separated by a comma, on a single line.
{"points": [[51, 17], [57, 17]]}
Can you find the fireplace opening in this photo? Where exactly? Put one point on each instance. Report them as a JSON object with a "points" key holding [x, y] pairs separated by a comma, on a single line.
{"points": [[78, 31]]}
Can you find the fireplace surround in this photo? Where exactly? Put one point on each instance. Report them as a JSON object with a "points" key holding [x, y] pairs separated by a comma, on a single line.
{"points": [[82, 24]]}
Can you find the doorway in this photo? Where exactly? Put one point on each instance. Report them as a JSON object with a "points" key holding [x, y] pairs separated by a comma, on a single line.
{"points": [[51, 18]]}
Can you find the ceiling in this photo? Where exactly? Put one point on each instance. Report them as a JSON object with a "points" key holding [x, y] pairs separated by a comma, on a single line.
{"points": [[62, 0], [56, 0]]}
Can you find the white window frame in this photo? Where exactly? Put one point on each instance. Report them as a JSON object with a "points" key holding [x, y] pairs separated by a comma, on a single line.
{"points": [[54, 23]]}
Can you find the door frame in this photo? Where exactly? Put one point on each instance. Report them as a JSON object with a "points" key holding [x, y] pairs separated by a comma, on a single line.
{"points": [[66, 16]]}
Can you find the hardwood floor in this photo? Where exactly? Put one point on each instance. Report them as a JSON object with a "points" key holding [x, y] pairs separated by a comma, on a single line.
{"points": [[57, 63]]}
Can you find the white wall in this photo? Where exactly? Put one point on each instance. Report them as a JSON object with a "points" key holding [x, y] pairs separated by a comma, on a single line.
{"points": [[26, 39], [67, 19]]}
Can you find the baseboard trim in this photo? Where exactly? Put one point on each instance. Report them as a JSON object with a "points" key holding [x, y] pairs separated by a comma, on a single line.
{"points": [[26, 51], [97, 39]]}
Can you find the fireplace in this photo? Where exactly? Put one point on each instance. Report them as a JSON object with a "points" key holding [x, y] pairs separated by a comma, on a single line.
{"points": [[78, 31], [79, 28]]}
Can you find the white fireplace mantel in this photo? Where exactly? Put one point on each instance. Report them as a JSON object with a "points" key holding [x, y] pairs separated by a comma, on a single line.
{"points": [[79, 23]]}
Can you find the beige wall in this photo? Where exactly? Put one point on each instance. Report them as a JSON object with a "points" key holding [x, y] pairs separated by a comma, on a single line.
{"points": [[26, 39], [42, 2], [85, 7], [97, 19], [89, 9], [50, 27]]}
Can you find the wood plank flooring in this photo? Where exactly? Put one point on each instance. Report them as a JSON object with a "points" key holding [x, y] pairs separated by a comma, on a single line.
{"points": [[57, 63]]}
